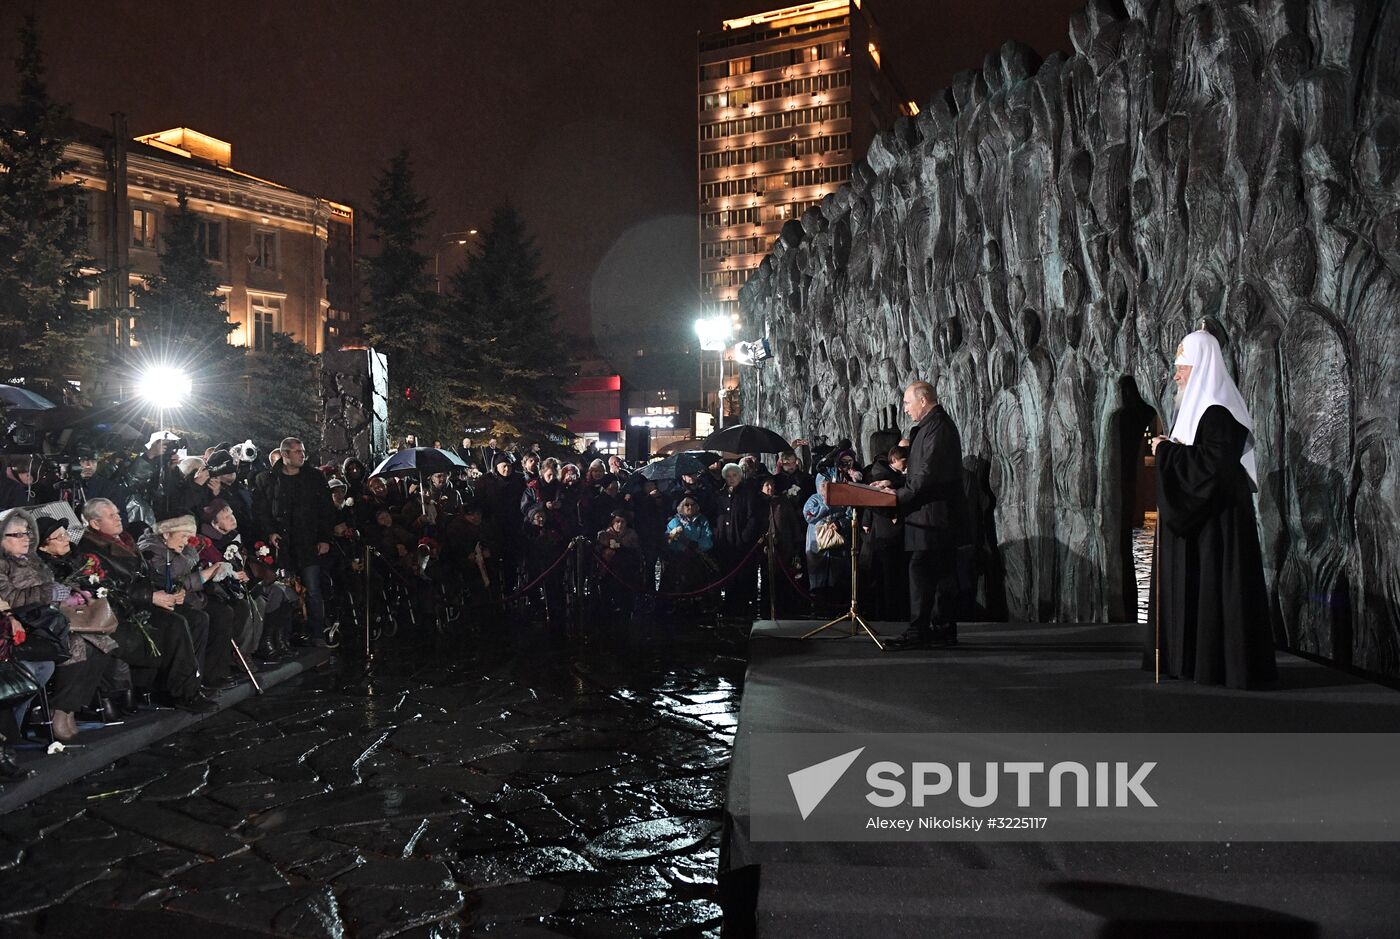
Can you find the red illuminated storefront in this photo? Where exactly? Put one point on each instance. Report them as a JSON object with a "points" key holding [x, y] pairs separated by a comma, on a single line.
{"points": [[597, 407]]}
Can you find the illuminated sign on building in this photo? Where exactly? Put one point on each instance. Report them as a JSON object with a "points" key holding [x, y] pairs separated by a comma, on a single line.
{"points": [[653, 420]]}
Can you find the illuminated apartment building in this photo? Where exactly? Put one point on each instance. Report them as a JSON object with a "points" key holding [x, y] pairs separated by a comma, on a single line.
{"points": [[787, 101]]}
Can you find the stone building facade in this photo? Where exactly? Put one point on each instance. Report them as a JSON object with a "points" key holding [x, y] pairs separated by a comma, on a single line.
{"points": [[285, 259]]}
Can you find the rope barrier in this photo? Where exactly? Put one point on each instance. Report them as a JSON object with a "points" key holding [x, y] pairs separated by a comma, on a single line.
{"points": [[538, 580], [787, 572], [690, 593]]}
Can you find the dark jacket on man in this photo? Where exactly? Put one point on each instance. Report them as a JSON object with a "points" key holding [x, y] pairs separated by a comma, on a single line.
{"points": [[931, 502], [299, 508]]}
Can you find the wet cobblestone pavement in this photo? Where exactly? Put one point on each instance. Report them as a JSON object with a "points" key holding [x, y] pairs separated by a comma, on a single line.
{"points": [[495, 788]]}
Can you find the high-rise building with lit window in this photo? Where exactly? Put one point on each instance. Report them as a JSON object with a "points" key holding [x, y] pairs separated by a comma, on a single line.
{"points": [[787, 101]]}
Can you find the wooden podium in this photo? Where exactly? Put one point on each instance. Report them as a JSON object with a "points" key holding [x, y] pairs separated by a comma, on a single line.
{"points": [[840, 495]]}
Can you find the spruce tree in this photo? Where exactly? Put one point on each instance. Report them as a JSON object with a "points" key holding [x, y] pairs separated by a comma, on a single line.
{"points": [[44, 317], [512, 360], [283, 397], [402, 300], [181, 322]]}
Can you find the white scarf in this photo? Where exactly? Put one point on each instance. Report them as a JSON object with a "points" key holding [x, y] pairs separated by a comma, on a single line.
{"points": [[1210, 384]]}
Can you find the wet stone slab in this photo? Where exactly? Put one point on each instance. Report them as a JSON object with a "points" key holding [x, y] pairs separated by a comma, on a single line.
{"points": [[500, 788], [651, 838]]}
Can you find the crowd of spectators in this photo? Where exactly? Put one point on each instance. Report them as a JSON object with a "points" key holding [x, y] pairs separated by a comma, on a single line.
{"points": [[190, 572]]}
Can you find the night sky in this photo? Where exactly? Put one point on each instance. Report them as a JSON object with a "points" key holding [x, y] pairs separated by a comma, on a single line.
{"points": [[581, 114]]}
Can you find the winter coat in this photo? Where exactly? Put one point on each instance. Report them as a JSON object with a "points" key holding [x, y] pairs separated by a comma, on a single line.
{"points": [[739, 522], [695, 532], [26, 580], [299, 508], [127, 571], [931, 502], [178, 569]]}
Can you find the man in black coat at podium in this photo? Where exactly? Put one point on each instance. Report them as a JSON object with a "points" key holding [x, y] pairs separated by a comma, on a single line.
{"points": [[931, 505]]}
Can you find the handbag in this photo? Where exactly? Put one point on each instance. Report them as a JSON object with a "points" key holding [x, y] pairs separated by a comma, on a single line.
{"points": [[829, 536], [46, 634], [16, 683], [95, 616]]}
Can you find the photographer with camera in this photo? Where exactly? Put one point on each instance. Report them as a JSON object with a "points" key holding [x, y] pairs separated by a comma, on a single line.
{"points": [[153, 478]]}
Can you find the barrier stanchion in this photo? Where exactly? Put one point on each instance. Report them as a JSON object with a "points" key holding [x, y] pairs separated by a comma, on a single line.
{"points": [[772, 581], [369, 613]]}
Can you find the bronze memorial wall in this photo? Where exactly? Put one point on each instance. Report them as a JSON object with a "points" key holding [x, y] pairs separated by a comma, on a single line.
{"points": [[1040, 237]]}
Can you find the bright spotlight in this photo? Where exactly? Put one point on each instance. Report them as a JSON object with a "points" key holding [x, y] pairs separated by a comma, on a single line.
{"points": [[165, 386], [714, 333]]}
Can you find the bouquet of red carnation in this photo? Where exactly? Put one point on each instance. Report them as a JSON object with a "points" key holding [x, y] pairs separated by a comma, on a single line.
{"points": [[90, 577], [263, 562]]}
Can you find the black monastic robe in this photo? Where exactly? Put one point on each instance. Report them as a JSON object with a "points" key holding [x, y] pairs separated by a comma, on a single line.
{"points": [[1208, 572]]}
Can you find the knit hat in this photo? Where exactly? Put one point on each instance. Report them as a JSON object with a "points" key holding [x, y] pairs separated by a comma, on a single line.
{"points": [[221, 463]]}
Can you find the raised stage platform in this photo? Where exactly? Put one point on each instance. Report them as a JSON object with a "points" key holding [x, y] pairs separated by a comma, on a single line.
{"points": [[1028, 678]]}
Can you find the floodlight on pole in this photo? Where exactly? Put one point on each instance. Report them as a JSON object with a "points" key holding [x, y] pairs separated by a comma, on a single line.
{"points": [[714, 333], [165, 386]]}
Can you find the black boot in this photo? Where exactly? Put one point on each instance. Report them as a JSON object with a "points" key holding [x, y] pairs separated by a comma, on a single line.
{"points": [[110, 712], [125, 701], [266, 652]]}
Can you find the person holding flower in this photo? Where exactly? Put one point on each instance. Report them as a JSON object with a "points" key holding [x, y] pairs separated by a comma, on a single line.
{"points": [[170, 549], [28, 586], [85, 577], [161, 645]]}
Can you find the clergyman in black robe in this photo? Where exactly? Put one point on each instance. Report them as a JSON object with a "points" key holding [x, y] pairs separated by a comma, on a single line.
{"points": [[1207, 591]]}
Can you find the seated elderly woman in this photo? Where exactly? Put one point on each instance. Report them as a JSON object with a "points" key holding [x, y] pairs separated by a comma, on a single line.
{"points": [[28, 586], [220, 540], [56, 550], [170, 550], [154, 636]]}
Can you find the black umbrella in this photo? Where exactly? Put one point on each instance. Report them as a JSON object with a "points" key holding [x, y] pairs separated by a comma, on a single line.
{"points": [[747, 438], [419, 460], [672, 468]]}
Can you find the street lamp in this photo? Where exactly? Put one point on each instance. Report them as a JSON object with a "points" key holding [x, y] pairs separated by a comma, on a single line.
{"points": [[457, 238], [714, 333]]}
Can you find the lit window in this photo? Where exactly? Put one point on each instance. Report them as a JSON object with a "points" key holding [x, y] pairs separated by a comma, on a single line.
{"points": [[265, 312], [143, 227]]}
